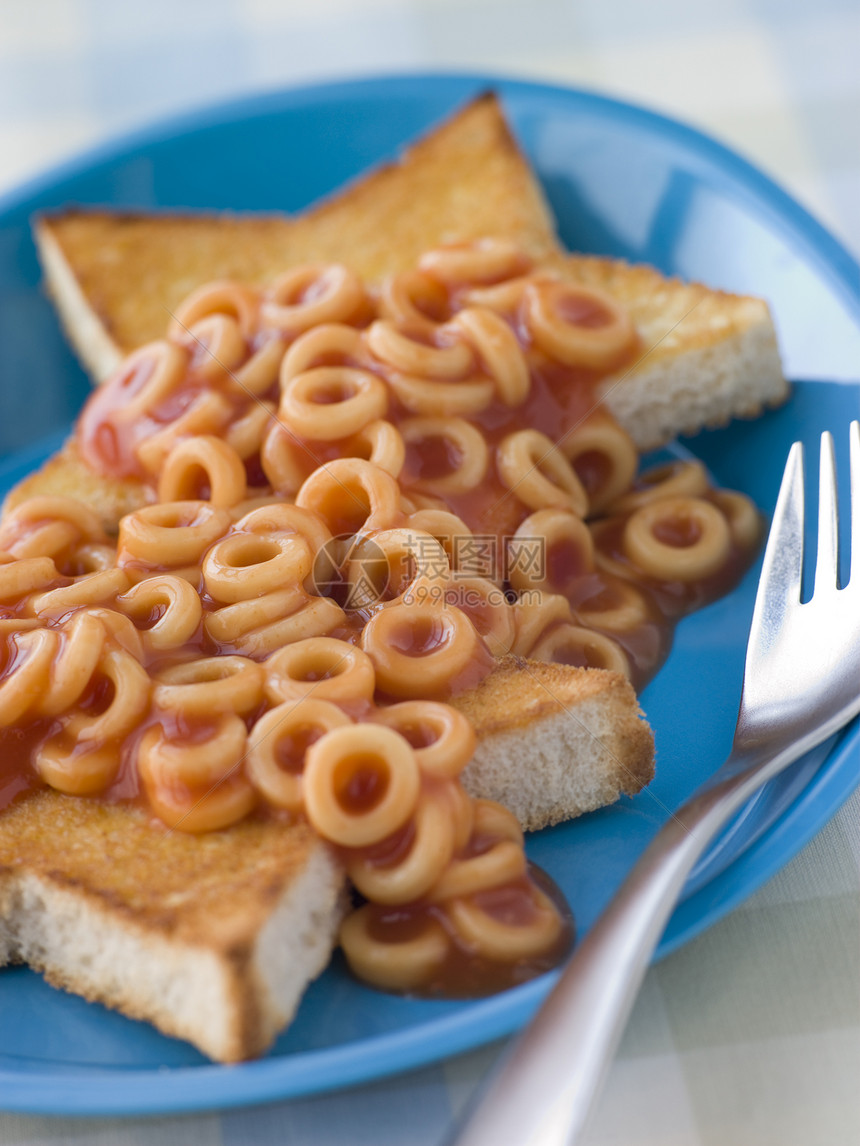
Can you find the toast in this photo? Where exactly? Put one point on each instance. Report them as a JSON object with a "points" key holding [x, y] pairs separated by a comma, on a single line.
{"points": [[554, 742], [115, 276], [214, 938], [707, 356]]}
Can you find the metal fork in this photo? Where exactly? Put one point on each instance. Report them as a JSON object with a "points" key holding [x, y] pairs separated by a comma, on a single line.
{"points": [[801, 684]]}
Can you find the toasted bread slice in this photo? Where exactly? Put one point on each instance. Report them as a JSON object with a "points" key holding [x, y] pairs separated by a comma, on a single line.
{"points": [[707, 356], [214, 938], [115, 277], [555, 741]]}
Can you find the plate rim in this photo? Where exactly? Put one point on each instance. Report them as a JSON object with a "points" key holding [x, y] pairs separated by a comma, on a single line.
{"points": [[211, 1086]]}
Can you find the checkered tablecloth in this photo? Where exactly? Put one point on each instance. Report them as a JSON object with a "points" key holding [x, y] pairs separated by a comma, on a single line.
{"points": [[750, 1035]]}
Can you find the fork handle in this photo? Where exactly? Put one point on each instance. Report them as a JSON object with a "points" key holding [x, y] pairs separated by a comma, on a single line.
{"points": [[544, 1089]]}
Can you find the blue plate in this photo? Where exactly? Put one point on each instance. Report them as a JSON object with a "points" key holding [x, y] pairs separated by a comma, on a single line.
{"points": [[622, 182]]}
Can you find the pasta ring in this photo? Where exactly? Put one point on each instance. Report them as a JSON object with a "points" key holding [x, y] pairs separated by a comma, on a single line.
{"points": [[417, 649], [429, 359], [224, 795], [18, 578], [369, 766], [224, 803], [210, 684], [280, 517], [430, 850], [236, 300], [578, 340], [90, 557], [397, 565], [604, 458], [468, 442], [533, 615], [217, 347], [398, 964], [231, 622], [574, 645], [532, 467], [565, 551], [619, 607], [47, 525], [351, 496], [81, 645], [131, 687], [689, 478], [286, 461], [499, 351], [119, 628], [487, 608], [219, 463], [329, 343], [311, 295], [434, 398], [173, 533], [479, 261], [323, 666], [414, 298], [688, 560], [462, 813], [91, 589], [441, 737], [484, 933], [332, 402], [502, 862], [379, 442], [243, 566], [262, 625], [175, 604], [209, 412], [280, 786], [503, 298], [259, 374], [28, 539], [743, 517], [444, 526], [317, 617], [147, 376], [30, 678], [204, 761], [74, 769]]}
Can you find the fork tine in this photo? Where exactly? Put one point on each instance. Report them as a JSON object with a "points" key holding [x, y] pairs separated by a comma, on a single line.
{"points": [[782, 567], [854, 486], [827, 557]]}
